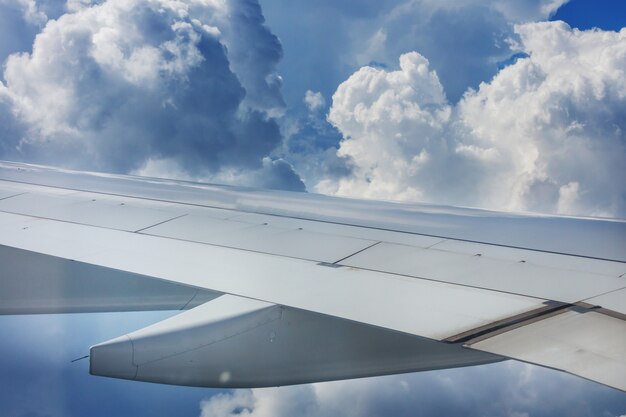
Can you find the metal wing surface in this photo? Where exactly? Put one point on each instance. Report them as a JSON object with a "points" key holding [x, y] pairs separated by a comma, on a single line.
{"points": [[283, 288]]}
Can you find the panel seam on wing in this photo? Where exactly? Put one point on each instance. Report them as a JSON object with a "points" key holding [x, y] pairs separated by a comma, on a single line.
{"points": [[159, 223], [357, 252]]}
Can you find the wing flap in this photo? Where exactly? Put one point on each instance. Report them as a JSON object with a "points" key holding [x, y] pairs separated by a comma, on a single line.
{"points": [[585, 343]]}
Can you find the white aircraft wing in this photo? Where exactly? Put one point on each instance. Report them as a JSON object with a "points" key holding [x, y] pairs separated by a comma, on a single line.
{"points": [[283, 288]]}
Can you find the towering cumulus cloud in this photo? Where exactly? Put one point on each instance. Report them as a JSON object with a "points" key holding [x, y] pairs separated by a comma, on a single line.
{"points": [[547, 133], [128, 85]]}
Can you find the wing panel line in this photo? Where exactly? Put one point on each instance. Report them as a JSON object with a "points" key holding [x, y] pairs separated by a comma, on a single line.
{"points": [[359, 251], [159, 223], [14, 195]]}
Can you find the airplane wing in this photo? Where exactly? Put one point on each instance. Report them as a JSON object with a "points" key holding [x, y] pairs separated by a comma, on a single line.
{"points": [[281, 288]]}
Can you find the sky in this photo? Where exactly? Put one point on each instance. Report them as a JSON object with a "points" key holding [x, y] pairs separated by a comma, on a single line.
{"points": [[503, 104]]}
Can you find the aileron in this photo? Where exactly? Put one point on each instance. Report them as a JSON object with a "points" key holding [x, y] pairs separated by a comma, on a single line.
{"points": [[588, 344]]}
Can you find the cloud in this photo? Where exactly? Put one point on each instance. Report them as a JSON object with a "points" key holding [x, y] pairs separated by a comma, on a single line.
{"points": [[314, 101], [503, 389], [466, 42], [116, 85], [546, 133], [310, 145], [293, 401], [253, 52], [239, 403], [463, 41]]}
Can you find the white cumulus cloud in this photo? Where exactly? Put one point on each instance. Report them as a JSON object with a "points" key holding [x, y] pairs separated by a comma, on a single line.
{"points": [[121, 85], [546, 133], [314, 101]]}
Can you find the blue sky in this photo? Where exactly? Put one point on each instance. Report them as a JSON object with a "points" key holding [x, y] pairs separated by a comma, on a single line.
{"points": [[603, 14], [482, 103]]}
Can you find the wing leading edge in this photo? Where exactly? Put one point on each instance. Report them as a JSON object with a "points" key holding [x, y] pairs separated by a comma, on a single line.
{"points": [[449, 286]]}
